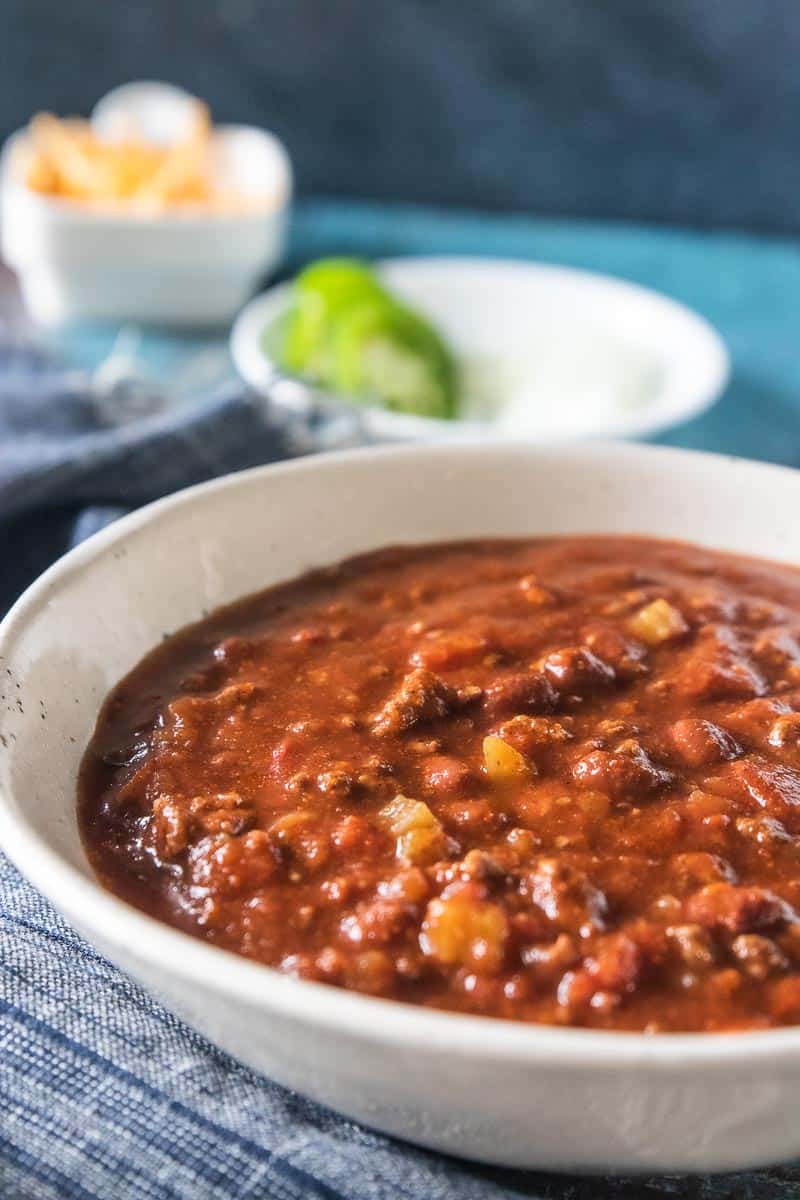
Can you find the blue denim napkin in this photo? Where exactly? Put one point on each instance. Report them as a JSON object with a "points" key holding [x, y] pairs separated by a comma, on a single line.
{"points": [[74, 456]]}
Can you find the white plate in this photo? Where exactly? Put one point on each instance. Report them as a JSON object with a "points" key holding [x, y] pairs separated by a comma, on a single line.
{"points": [[546, 352], [522, 1095]]}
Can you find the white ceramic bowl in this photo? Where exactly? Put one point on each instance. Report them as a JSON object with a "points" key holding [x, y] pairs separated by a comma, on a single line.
{"points": [[546, 352], [76, 263], [500, 1091]]}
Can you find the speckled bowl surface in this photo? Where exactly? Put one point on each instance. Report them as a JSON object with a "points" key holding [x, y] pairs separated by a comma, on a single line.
{"points": [[498, 1091]]}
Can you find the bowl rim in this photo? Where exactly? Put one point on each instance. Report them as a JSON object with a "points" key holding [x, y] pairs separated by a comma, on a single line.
{"points": [[117, 923], [260, 371], [72, 213]]}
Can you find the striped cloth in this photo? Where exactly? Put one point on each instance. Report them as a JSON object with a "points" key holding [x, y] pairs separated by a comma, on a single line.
{"points": [[73, 456]]}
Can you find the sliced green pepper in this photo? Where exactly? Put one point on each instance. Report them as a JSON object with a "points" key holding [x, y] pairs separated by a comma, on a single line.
{"points": [[383, 350], [322, 293], [345, 331]]}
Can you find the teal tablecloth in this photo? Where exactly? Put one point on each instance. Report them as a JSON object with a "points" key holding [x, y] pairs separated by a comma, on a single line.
{"points": [[748, 286]]}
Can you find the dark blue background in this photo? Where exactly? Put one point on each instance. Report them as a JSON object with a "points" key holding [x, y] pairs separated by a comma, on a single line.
{"points": [[675, 110]]}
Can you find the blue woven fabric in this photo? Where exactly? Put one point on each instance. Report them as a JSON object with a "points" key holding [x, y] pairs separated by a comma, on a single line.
{"points": [[103, 1094], [70, 460]]}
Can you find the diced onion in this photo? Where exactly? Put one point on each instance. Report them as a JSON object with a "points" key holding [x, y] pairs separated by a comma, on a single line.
{"points": [[502, 762], [657, 622]]}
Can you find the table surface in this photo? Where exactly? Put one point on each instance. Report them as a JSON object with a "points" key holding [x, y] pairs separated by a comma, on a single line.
{"points": [[747, 286]]}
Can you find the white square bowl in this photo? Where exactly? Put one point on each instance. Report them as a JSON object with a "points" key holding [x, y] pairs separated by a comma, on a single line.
{"points": [[77, 263]]}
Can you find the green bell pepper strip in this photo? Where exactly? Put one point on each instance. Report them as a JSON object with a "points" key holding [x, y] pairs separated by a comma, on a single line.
{"points": [[322, 293], [383, 351]]}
